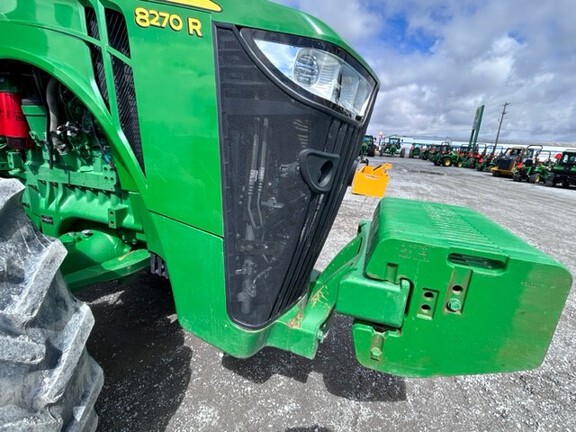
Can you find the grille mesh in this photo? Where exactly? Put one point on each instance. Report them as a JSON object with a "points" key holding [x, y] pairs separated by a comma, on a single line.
{"points": [[275, 226], [117, 32], [127, 108], [91, 23], [96, 53], [98, 67]]}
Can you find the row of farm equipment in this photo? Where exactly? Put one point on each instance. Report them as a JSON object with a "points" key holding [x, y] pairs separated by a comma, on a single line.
{"points": [[391, 147], [521, 163]]}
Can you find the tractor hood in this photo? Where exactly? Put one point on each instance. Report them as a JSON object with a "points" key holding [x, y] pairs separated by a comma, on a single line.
{"points": [[269, 16]]}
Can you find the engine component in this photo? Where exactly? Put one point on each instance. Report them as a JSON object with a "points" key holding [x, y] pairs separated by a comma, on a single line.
{"points": [[13, 125]]}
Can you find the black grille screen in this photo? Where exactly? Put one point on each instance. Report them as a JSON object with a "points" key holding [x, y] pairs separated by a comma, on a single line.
{"points": [[98, 67], [92, 23], [117, 32], [127, 108], [275, 226]]}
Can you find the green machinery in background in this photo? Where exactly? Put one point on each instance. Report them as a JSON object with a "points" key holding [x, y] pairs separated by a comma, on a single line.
{"points": [[211, 142], [415, 151], [392, 147], [535, 169], [443, 155], [563, 172], [368, 147], [488, 160], [513, 157]]}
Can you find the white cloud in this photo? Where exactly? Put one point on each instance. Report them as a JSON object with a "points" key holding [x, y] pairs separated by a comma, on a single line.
{"points": [[471, 52], [353, 21]]}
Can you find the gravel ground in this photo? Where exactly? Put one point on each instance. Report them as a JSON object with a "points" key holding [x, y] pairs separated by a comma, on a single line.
{"points": [[159, 377]]}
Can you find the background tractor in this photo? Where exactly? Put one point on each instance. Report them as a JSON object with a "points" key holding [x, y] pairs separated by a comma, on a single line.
{"points": [[473, 156], [415, 151], [533, 170], [564, 171], [368, 147], [512, 156], [392, 147], [443, 155], [458, 157], [489, 160], [428, 151], [223, 171]]}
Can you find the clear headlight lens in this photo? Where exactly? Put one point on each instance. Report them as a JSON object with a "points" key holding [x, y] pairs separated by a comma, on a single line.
{"points": [[322, 73]]}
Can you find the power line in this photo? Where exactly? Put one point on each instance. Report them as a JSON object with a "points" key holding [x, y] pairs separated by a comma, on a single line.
{"points": [[500, 125]]}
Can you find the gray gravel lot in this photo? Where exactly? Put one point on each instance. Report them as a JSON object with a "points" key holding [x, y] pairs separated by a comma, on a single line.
{"points": [[159, 377]]}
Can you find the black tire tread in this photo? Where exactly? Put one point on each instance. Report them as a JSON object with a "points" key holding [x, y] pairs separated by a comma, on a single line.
{"points": [[52, 380]]}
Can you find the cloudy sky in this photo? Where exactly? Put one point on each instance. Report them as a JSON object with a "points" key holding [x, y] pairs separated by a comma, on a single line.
{"points": [[439, 59]]}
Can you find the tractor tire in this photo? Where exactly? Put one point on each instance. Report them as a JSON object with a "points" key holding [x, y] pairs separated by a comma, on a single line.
{"points": [[403, 153], [446, 162], [517, 177], [566, 183], [459, 164], [353, 170], [535, 178], [49, 381], [411, 154]]}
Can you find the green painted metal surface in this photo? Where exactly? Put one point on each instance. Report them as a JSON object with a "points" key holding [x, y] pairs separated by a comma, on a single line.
{"points": [[96, 256], [563, 171], [482, 300], [112, 211], [172, 205]]}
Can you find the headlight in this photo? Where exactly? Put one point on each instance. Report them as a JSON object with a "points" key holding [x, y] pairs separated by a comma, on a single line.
{"points": [[316, 67]]}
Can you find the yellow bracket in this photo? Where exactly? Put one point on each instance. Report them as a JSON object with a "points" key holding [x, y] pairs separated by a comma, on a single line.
{"points": [[371, 181]]}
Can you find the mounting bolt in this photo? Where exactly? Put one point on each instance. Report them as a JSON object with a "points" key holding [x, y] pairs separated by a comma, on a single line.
{"points": [[376, 353], [454, 305]]}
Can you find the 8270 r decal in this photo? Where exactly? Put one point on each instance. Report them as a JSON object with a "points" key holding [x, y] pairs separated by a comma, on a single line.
{"points": [[146, 18]]}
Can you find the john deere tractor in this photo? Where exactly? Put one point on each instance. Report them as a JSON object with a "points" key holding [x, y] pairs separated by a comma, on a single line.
{"points": [[210, 143], [392, 147], [415, 151], [368, 147], [489, 160], [515, 157], [563, 172], [533, 170], [443, 154]]}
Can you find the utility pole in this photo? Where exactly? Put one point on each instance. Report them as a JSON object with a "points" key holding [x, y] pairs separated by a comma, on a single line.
{"points": [[500, 126]]}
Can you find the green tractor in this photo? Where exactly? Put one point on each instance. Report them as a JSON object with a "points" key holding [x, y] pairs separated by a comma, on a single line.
{"points": [[428, 151], [489, 159], [472, 157], [444, 155], [457, 157], [392, 147], [514, 157], [415, 151], [170, 136], [563, 172], [533, 170], [368, 147]]}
